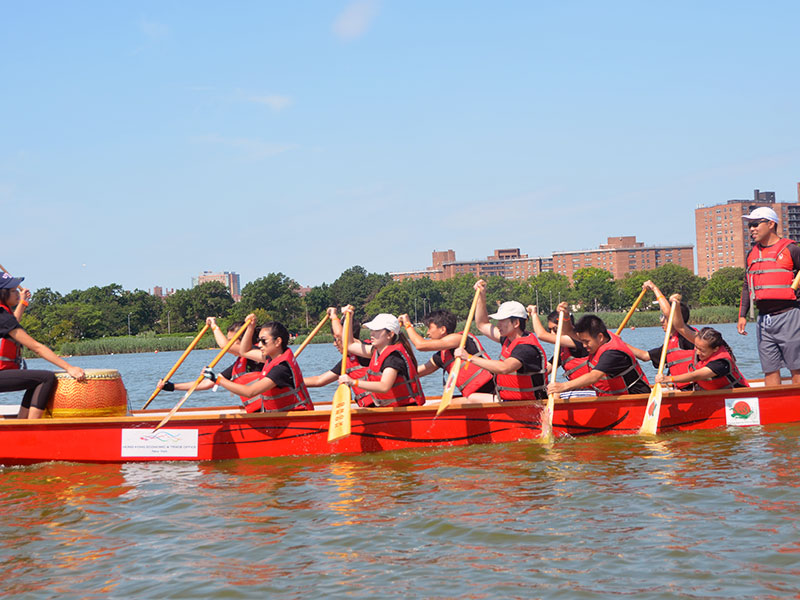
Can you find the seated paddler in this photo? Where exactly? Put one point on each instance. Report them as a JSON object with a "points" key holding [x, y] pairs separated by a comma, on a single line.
{"points": [[243, 370], [279, 386], [391, 378], [38, 385], [714, 365], [521, 371], [355, 367], [572, 355], [474, 382], [613, 369]]}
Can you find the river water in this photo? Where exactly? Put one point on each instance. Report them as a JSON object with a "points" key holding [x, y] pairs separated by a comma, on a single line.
{"points": [[711, 514]]}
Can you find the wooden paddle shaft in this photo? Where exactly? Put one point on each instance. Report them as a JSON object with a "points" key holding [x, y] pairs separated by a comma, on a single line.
{"points": [[630, 312], [667, 333], [311, 335], [557, 349]]}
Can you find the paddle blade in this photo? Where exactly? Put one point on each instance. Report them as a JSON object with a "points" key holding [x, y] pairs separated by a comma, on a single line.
{"points": [[339, 426], [449, 387], [651, 412], [547, 420]]}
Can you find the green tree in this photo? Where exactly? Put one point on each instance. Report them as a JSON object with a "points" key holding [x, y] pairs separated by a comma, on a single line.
{"points": [[357, 287], [277, 294], [594, 288], [457, 294], [724, 288], [393, 298], [673, 279], [629, 287], [548, 289]]}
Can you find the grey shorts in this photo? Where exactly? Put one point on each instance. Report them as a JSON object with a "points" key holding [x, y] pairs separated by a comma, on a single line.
{"points": [[779, 340]]}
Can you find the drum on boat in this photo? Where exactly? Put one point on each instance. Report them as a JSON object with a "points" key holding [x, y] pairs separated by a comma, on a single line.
{"points": [[101, 395]]}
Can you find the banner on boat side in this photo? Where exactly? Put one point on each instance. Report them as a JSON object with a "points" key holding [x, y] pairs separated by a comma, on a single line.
{"points": [[741, 412], [178, 443]]}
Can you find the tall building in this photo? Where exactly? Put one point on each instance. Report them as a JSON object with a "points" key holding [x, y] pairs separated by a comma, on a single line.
{"points": [[723, 239], [228, 279], [619, 256]]}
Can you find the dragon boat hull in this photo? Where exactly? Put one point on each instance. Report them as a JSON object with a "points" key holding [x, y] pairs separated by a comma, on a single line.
{"points": [[226, 433]]}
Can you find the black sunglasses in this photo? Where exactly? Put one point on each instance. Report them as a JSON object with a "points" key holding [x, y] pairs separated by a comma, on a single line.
{"points": [[264, 341], [752, 224]]}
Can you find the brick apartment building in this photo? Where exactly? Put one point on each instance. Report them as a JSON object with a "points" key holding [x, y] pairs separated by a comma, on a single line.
{"points": [[723, 239], [619, 256], [228, 279]]}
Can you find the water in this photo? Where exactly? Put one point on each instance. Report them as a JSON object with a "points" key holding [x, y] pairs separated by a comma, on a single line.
{"points": [[710, 514]]}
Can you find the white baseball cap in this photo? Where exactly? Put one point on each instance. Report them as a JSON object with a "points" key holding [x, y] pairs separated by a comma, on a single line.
{"points": [[762, 212], [384, 321], [512, 308]]}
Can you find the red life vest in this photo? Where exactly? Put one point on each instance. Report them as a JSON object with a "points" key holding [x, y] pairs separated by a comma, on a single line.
{"points": [[469, 378], [10, 355], [678, 361], [733, 379], [281, 398], [239, 368], [357, 371], [614, 386], [520, 386], [770, 270], [404, 391], [573, 366]]}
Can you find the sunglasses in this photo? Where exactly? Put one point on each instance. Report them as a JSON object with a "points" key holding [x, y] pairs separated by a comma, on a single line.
{"points": [[752, 224], [263, 341]]}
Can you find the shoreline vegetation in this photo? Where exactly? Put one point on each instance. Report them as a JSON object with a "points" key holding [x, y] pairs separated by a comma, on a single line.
{"points": [[151, 342]]}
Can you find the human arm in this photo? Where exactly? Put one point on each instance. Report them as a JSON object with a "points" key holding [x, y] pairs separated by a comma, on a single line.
{"points": [[584, 381], [678, 324], [543, 334], [321, 379], [21, 336], [244, 346], [498, 367], [428, 368], [663, 303], [388, 377], [24, 299], [482, 315], [698, 375]]}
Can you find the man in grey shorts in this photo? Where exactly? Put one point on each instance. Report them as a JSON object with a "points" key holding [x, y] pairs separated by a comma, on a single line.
{"points": [[771, 267]]}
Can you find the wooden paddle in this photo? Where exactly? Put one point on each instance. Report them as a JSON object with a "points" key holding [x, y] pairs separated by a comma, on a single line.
{"points": [[450, 386], [171, 372], [795, 283], [547, 414], [630, 312], [651, 412], [217, 358], [311, 335], [339, 426]]}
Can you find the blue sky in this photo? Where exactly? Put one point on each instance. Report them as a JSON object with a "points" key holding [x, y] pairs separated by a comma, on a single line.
{"points": [[142, 143]]}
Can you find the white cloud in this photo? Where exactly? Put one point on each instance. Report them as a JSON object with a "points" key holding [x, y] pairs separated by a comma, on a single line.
{"points": [[355, 19], [274, 101], [254, 149], [153, 29]]}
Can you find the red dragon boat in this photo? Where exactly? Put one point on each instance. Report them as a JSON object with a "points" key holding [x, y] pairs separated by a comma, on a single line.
{"points": [[225, 433]]}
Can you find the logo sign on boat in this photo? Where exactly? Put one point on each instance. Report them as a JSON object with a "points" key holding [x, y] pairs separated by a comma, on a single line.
{"points": [[741, 412], [178, 443]]}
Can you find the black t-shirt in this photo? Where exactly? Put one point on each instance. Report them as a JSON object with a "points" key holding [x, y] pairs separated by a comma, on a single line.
{"points": [[8, 323], [470, 347], [579, 351], [281, 374], [614, 363], [720, 367], [252, 366]]}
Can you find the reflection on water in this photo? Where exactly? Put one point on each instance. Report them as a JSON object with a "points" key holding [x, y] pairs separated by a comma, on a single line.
{"points": [[706, 514]]}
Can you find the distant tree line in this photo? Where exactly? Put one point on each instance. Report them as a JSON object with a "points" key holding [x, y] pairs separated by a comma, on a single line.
{"points": [[111, 311]]}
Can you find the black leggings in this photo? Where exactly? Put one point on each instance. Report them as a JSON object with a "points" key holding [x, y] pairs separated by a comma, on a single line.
{"points": [[38, 385]]}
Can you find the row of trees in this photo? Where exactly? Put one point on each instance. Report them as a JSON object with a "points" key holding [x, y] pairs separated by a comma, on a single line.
{"points": [[111, 311]]}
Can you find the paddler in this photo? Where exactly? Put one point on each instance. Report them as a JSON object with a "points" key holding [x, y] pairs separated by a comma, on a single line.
{"points": [[38, 384], [474, 382], [680, 351], [614, 369], [240, 367], [279, 386], [356, 366], [772, 264], [391, 378], [573, 357], [714, 367], [521, 371]]}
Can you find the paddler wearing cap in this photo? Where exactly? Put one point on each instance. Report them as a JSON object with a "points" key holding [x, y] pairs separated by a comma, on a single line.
{"points": [[521, 371], [38, 384], [391, 378], [772, 264]]}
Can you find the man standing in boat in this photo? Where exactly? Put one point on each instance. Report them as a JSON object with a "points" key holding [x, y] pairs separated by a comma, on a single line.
{"points": [[521, 372], [614, 368], [771, 266]]}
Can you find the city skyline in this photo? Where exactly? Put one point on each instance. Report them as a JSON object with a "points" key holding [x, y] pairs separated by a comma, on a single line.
{"points": [[136, 152]]}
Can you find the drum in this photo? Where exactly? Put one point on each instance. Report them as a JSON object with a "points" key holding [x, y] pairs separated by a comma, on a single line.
{"points": [[101, 395]]}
